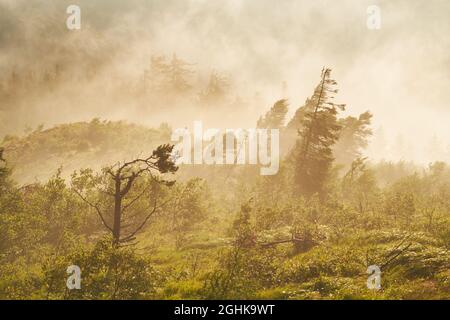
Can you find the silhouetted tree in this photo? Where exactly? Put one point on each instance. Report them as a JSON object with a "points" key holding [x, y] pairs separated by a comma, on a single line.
{"points": [[170, 75], [353, 138], [358, 184], [124, 185], [319, 132], [178, 73], [295, 123], [275, 117]]}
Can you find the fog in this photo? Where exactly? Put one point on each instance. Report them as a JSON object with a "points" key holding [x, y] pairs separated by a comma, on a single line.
{"points": [[399, 72]]}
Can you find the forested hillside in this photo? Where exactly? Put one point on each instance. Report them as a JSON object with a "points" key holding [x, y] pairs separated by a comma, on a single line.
{"points": [[107, 196], [36, 154]]}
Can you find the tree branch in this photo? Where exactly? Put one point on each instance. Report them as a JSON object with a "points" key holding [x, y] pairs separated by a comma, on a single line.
{"points": [[95, 206], [152, 212], [395, 256], [135, 199]]}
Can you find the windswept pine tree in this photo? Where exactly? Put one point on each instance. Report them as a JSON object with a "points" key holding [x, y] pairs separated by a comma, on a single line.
{"points": [[353, 138], [313, 154], [275, 117], [296, 122], [126, 184]]}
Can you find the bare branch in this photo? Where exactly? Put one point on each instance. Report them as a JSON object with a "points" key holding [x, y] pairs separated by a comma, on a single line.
{"points": [[109, 171], [395, 256], [292, 240], [152, 212], [95, 206], [142, 224], [125, 207], [127, 188]]}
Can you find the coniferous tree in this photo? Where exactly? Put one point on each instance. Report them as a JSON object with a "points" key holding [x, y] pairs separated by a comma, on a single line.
{"points": [[296, 122], [172, 76], [290, 134], [125, 185], [359, 184], [275, 117], [353, 138], [319, 131], [178, 74]]}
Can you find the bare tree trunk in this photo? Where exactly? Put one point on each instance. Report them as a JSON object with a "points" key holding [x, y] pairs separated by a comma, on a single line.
{"points": [[159, 161], [117, 212]]}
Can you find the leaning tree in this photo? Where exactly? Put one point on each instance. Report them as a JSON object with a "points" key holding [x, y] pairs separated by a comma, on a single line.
{"points": [[126, 195], [318, 132]]}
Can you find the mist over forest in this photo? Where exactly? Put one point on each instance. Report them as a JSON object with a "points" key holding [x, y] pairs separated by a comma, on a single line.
{"points": [[266, 52], [89, 177]]}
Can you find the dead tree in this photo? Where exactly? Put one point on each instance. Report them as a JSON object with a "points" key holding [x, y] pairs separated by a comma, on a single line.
{"points": [[117, 181]]}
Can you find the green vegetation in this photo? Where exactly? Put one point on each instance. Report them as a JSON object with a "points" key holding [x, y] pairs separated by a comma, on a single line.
{"points": [[224, 232]]}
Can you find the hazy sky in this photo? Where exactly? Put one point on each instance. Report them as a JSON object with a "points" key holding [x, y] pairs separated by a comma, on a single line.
{"points": [[399, 72]]}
